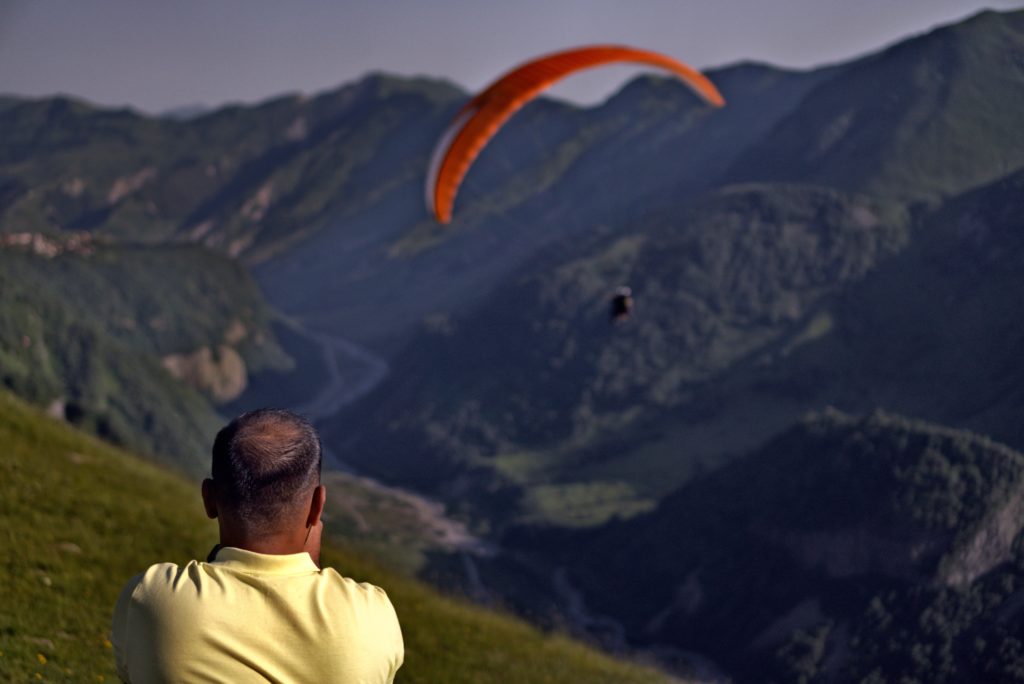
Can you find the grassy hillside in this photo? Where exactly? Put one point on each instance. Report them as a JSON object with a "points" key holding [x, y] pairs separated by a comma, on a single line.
{"points": [[845, 548], [79, 518]]}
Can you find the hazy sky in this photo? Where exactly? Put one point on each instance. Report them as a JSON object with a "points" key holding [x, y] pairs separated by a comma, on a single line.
{"points": [[156, 55]]}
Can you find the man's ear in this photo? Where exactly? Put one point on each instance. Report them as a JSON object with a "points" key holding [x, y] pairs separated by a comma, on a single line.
{"points": [[316, 506], [210, 498]]}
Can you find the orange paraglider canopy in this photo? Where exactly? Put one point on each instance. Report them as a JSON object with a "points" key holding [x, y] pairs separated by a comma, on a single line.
{"points": [[478, 121]]}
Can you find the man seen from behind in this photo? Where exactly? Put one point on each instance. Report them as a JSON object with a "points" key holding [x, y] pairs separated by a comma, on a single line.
{"points": [[260, 609]]}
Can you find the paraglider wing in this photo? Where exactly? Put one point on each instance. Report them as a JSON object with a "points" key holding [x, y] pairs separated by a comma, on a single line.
{"points": [[482, 116]]}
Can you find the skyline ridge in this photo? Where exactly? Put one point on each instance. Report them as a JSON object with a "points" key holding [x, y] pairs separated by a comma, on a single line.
{"points": [[155, 76]]}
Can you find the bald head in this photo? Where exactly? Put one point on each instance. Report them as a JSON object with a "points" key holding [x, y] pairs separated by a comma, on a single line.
{"points": [[264, 462]]}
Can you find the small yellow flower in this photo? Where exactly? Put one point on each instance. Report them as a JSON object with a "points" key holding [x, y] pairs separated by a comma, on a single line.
{"points": [[38, 675], [107, 644], [41, 658], [100, 678]]}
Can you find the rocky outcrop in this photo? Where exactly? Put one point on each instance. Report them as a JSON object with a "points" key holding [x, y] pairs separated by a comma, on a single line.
{"points": [[126, 185], [219, 372], [990, 546], [49, 246]]}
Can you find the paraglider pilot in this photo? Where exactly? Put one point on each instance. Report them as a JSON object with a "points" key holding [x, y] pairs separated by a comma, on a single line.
{"points": [[621, 305]]}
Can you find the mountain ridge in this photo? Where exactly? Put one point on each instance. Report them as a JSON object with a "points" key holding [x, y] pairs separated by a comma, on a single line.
{"points": [[947, 118], [808, 535]]}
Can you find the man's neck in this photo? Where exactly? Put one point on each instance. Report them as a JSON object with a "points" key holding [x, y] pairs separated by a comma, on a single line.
{"points": [[275, 545]]}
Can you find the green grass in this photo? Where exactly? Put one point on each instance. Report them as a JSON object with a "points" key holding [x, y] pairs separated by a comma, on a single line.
{"points": [[582, 504], [78, 518]]}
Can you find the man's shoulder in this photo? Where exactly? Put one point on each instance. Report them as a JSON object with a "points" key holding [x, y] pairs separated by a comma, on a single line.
{"points": [[170, 601], [175, 575], [366, 591], [157, 578], [135, 604], [165, 584], [371, 608], [167, 573]]}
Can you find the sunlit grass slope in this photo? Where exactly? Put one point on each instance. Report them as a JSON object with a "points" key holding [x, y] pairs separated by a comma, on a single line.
{"points": [[78, 518]]}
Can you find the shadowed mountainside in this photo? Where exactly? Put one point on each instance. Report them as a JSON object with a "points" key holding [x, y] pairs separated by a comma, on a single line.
{"points": [[380, 272], [756, 303], [841, 547], [744, 322], [537, 388]]}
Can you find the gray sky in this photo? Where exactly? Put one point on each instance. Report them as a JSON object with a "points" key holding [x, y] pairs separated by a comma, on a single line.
{"points": [[157, 55]]}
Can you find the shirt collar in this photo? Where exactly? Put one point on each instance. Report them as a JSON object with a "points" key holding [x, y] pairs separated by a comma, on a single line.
{"points": [[264, 563]]}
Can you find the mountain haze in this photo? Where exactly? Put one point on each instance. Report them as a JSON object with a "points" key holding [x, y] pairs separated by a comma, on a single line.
{"points": [[725, 482]]}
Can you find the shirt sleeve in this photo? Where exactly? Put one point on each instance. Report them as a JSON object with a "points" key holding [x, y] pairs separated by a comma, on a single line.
{"points": [[119, 631], [398, 653]]}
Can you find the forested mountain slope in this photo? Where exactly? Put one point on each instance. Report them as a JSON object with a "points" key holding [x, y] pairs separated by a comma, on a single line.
{"points": [[844, 548], [137, 344], [537, 388]]}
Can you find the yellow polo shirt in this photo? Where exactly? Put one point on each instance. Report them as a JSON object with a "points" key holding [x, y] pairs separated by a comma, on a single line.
{"points": [[252, 617]]}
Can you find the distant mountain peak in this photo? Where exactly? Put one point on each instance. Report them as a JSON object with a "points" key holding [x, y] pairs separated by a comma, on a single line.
{"points": [[932, 115], [186, 112]]}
